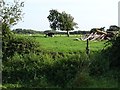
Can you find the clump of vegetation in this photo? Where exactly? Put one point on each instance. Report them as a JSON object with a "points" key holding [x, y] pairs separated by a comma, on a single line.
{"points": [[10, 15], [113, 51], [21, 45], [22, 68], [99, 65], [65, 69], [81, 80], [26, 31], [32, 70]]}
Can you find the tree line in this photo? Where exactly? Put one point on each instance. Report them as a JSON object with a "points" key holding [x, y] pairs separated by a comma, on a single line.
{"points": [[26, 31], [29, 31]]}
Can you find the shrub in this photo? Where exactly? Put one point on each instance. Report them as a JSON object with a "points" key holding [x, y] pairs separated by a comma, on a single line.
{"points": [[27, 70], [99, 65], [65, 69], [81, 80], [21, 45], [22, 68], [113, 52]]}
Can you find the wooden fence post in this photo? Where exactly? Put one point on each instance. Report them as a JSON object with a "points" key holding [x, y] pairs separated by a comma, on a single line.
{"points": [[87, 47]]}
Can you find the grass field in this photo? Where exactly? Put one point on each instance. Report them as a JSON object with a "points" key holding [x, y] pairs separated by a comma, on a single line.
{"points": [[66, 44]]}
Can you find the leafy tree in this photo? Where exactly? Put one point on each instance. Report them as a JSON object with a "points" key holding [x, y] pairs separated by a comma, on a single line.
{"points": [[10, 14], [113, 28], [54, 19], [61, 21], [67, 22]]}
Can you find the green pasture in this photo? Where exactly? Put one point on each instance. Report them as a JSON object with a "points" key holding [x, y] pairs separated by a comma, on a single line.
{"points": [[66, 44]]}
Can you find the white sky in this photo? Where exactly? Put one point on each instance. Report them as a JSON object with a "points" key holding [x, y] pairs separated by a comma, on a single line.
{"points": [[87, 13]]}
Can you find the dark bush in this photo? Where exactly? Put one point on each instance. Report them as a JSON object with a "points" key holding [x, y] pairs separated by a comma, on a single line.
{"points": [[99, 65], [113, 52], [22, 68], [81, 80], [65, 69], [21, 45]]}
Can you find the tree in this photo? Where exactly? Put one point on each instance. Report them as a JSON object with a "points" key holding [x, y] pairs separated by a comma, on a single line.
{"points": [[54, 19], [113, 28], [10, 14], [61, 21], [67, 22]]}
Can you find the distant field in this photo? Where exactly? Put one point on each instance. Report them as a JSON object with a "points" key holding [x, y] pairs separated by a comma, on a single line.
{"points": [[66, 44]]}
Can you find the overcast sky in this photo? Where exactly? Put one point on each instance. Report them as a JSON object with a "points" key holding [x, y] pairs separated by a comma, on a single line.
{"points": [[87, 13]]}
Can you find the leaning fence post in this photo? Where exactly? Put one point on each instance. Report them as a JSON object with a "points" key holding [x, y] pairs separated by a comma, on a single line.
{"points": [[87, 47]]}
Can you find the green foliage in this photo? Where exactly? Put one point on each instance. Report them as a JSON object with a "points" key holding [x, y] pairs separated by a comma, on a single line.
{"points": [[84, 80], [50, 68], [44, 70], [61, 21], [11, 13], [26, 65], [81, 80], [54, 19], [113, 51], [6, 86], [21, 68], [113, 28], [99, 65], [32, 68], [67, 22], [65, 69], [26, 31], [20, 45]]}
